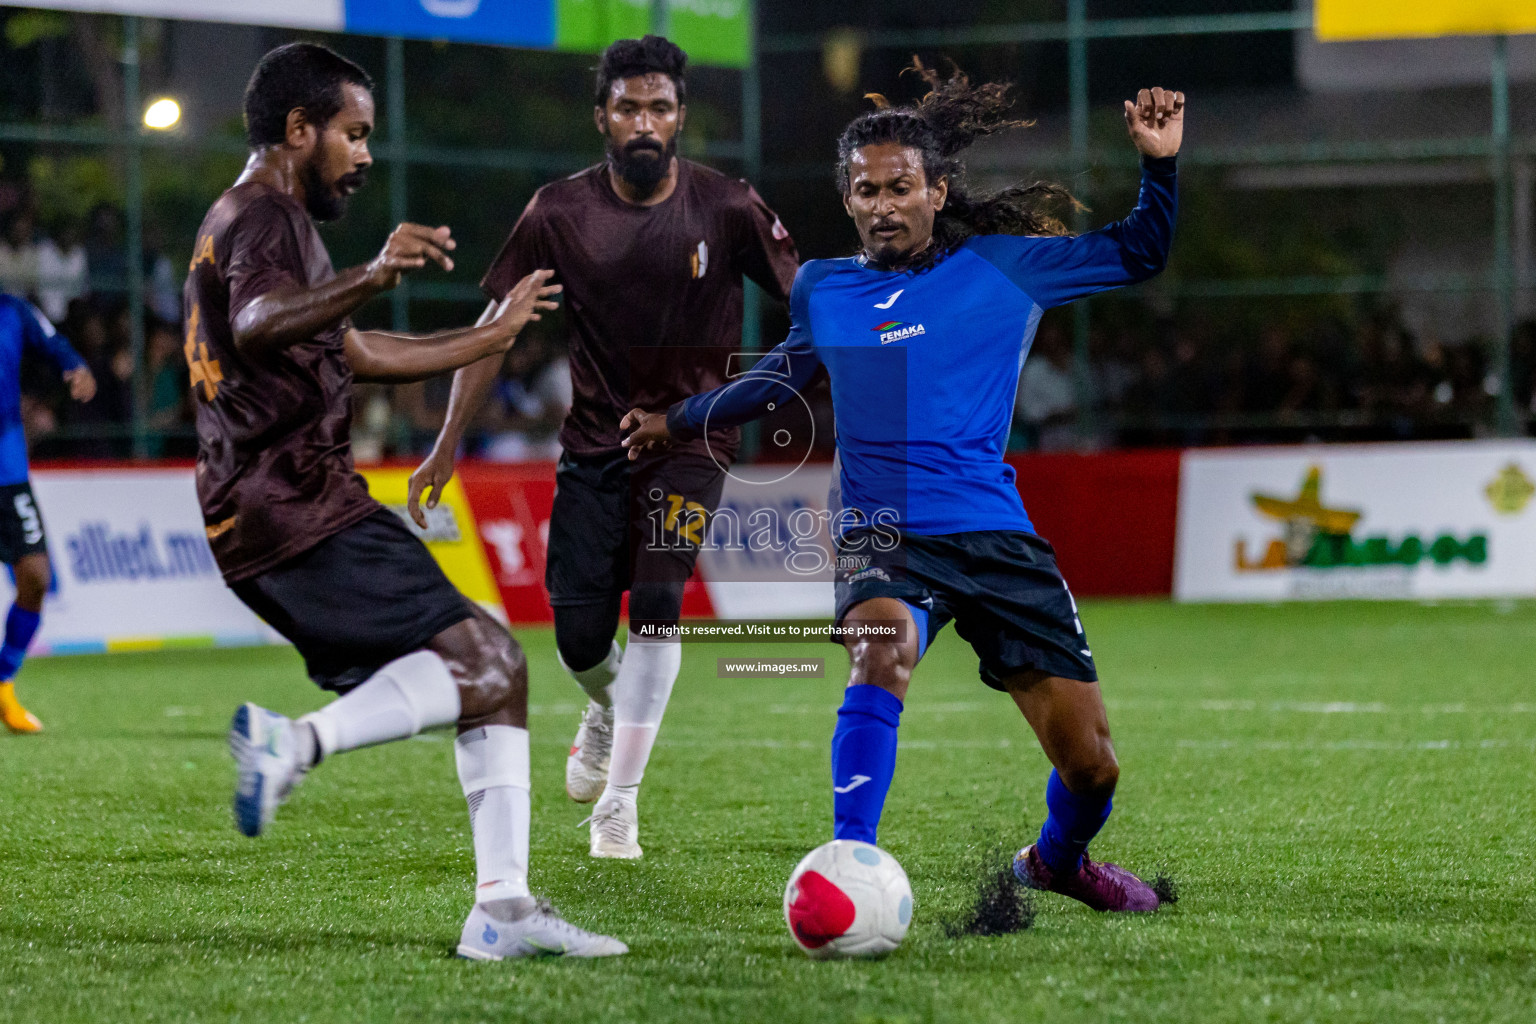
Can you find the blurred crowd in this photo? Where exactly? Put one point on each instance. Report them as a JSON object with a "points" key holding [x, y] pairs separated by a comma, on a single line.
{"points": [[1176, 382], [77, 274], [1187, 383]]}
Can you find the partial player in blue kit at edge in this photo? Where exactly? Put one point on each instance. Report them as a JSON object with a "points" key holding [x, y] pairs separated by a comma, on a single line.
{"points": [[923, 335], [22, 544]]}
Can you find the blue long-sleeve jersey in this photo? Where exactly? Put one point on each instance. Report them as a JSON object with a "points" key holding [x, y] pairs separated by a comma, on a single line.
{"points": [[23, 326], [925, 364]]}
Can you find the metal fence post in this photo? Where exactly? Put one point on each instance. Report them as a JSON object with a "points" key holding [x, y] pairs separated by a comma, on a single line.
{"points": [[134, 242], [394, 115], [752, 160], [660, 17], [752, 164], [1503, 251], [1077, 69]]}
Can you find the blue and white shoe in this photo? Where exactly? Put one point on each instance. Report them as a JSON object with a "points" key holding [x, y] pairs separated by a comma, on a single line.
{"points": [[525, 926], [267, 756]]}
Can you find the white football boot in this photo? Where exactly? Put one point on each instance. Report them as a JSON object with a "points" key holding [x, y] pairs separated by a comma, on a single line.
{"points": [[586, 767], [266, 753], [524, 926], [615, 830]]}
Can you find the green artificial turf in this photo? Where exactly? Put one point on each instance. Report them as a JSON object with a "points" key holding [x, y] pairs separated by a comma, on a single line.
{"points": [[1343, 794]]}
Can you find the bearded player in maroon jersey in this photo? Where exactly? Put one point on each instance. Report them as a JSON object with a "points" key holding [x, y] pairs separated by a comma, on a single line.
{"points": [[273, 356], [651, 250]]}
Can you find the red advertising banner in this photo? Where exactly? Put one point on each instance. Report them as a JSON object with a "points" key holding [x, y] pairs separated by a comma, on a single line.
{"points": [[512, 503], [1111, 516]]}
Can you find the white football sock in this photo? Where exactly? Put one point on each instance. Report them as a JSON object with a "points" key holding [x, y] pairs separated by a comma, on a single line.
{"points": [[408, 695], [640, 696], [597, 680], [493, 769]]}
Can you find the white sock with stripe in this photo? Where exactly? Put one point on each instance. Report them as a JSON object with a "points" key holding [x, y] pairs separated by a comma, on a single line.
{"points": [[493, 769], [640, 695]]}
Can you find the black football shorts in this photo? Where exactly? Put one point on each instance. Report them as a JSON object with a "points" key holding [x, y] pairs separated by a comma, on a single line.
{"points": [[357, 600], [21, 525], [1001, 588], [616, 522]]}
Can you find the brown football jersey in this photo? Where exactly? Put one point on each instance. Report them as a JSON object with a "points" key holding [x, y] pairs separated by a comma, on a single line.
{"points": [[274, 458], [653, 294]]}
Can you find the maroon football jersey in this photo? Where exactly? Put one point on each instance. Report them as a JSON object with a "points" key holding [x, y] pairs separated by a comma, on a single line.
{"points": [[653, 294], [274, 456]]}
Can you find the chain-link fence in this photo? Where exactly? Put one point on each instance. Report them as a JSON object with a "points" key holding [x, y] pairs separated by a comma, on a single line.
{"points": [[1354, 257], [1354, 252]]}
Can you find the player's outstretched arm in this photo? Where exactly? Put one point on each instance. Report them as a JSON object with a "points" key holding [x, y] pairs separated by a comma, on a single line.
{"points": [[388, 358], [791, 364], [471, 386], [287, 315], [1155, 120], [1053, 270]]}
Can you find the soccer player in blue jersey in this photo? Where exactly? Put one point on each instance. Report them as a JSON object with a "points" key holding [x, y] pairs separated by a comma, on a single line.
{"points": [[923, 335], [22, 544]]}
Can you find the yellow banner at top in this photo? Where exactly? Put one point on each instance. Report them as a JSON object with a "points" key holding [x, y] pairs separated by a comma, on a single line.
{"points": [[1338, 20]]}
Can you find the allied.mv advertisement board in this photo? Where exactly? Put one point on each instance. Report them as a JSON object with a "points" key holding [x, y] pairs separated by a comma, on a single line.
{"points": [[131, 566]]}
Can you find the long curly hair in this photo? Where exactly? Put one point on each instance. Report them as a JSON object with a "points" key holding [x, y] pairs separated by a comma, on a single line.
{"points": [[941, 126]]}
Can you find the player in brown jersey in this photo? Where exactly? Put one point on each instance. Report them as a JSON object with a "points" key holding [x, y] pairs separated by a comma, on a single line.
{"points": [[273, 357], [651, 250]]}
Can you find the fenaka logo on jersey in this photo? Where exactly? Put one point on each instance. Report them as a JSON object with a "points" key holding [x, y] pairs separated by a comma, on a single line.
{"points": [[895, 330], [698, 260], [1317, 536]]}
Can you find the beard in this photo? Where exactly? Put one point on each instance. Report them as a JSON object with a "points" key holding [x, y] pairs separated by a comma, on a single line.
{"points": [[643, 163], [326, 201]]}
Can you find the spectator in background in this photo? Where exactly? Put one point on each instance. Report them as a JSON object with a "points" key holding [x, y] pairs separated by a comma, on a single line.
{"points": [[418, 411], [62, 271], [1147, 398], [18, 254], [1306, 389], [167, 412], [533, 395], [101, 419], [372, 421], [1266, 378], [1114, 366], [1439, 385], [1522, 359], [105, 250], [40, 423], [161, 282], [1047, 397], [1472, 387], [1190, 380]]}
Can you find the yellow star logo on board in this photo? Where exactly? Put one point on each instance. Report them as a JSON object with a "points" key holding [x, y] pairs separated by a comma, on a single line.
{"points": [[1510, 491], [1308, 507]]}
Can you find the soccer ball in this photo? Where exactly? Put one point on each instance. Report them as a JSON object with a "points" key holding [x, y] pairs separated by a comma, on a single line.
{"points": [[848, 898]]}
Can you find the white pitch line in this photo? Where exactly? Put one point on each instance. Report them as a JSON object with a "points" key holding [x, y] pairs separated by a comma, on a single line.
{"points": [[552, 709], [1131, 704], [766, 744], [1404, 746], [1337, 707]]}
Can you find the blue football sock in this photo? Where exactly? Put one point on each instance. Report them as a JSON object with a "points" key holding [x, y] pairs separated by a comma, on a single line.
{"points": [[863, 760], [1071, 822], [20, 627]]}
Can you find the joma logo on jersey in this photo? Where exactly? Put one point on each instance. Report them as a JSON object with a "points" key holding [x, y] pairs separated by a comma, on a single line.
{"points": [[895, 330]]}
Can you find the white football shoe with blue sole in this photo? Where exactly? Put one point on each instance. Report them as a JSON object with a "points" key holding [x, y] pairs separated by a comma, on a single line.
{"points": [[527, 927], [267, 758]]}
